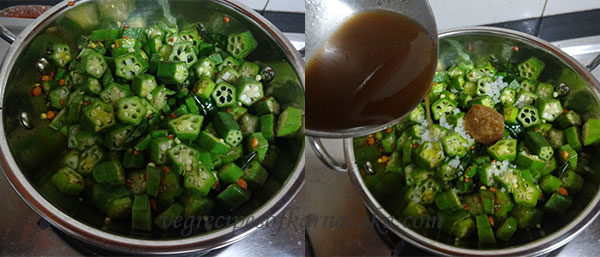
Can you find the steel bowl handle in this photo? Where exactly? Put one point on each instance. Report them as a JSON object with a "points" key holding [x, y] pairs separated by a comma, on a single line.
{"points": [[6, 35], [325, 157]]}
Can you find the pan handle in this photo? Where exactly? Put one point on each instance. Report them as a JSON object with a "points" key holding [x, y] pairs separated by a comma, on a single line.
{"points": [[325, 157], [6, 35], [594, 63]]}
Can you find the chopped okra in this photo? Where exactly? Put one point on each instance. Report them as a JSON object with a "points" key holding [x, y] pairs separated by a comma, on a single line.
{"points": [[161, 123], [500, 153]]}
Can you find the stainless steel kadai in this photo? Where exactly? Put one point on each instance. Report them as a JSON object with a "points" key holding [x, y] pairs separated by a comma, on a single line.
{"points": [[555, 232], [29, 150]]}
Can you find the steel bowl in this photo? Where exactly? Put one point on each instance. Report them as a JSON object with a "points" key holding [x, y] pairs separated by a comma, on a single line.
{"points": [[29, 150], [324, 17], [556, 230]]}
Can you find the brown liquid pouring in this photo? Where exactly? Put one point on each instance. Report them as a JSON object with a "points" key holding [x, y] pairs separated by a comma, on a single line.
{"points": [[375, 68]]}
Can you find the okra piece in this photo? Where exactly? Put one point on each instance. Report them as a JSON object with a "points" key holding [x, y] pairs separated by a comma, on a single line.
{"points": [[249, 91], [212, 143], [109, 172], [591, 132], [572, 181], [549, 168], [573, 136], [556, 138], [443, 107], [159, 148], [529, 86], [128, 66], [527, 216], [507, 96], [59, 97], [544, 90], [531, 68], [503, 204], [141, 215], [430, 155], [558, 204], [131, 160], [266, 106], [89, 158], [172, 72], [98, 116], [529, 161], [184, 52], [566, 154], [93, 64], [255, 175], [114, 92], [119, 208], [487, 201], [267, 126], [199, 180], [153, 178], [538, 145], [131, 110], [195, 205], [485, 233], [504, 149], [224, 94], [525, 193], [388, 142], [116, 137], [143, 85], [507, 229], [59, 54], [455, 145], [569, 119], [417, 115], [91, 86], [550, 184], [80, 139], [205, 68], [235, 153], [241, 44], [249, 70], [166, 219], [528, 116], [259, 144], [227, 128], [230, 62], [183, 158], [186, 126], [249, 124], [525, 98], [549, 108], [230, 173], [105, 34], [71, 160], [171, 187], [204, 87], [159, 96], [448, 200], [68, 181], [233, 197], [510, 114], [136, 183], [290, 120]]}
